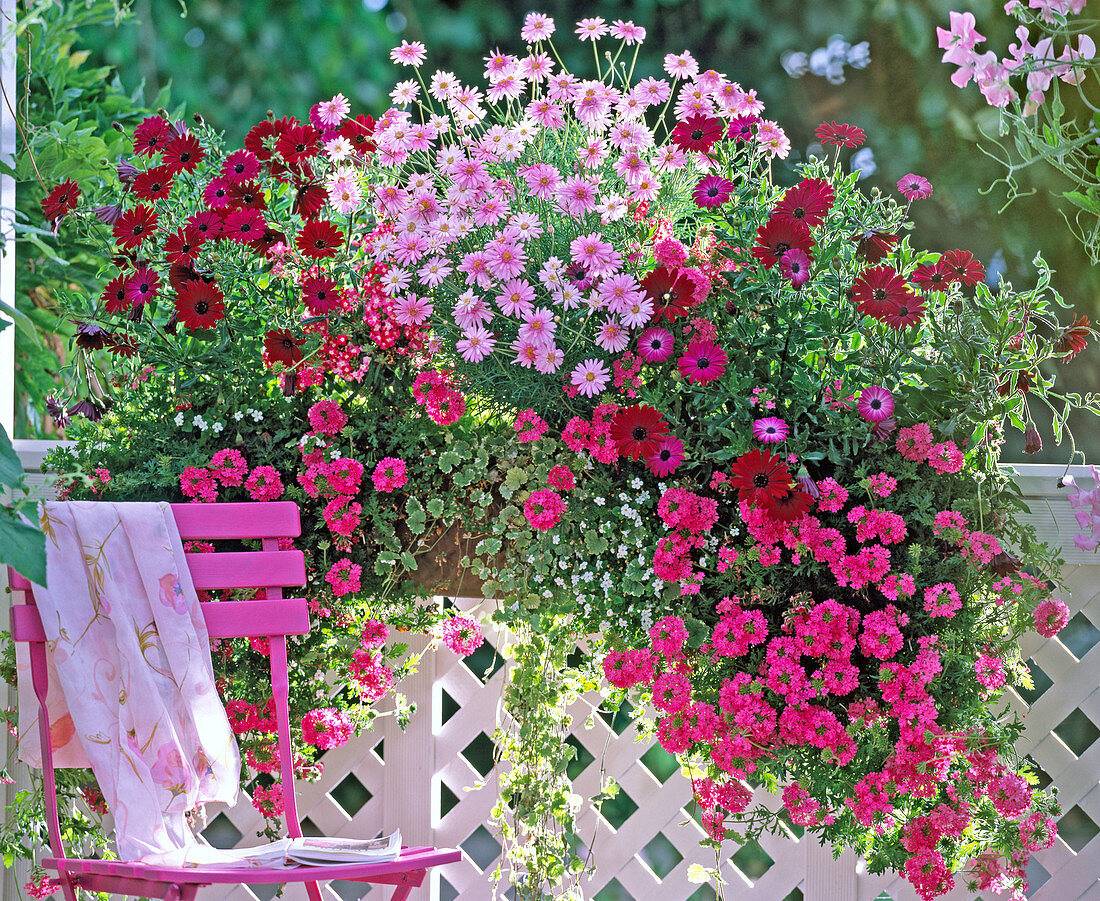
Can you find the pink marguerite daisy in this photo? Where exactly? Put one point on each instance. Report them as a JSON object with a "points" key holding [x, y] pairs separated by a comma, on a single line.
{"points": [[475, 344], [409, 54], [590, 377]]}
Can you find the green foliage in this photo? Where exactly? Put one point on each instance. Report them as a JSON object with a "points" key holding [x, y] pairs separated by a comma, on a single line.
{"points": [[66, 107]]}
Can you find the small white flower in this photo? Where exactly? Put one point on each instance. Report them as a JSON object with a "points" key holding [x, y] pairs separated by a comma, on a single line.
{"points": [[179, 418], [239, 415], [218, 428]]}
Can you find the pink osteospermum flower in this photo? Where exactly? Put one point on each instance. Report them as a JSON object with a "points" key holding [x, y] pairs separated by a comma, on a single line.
{"points": [[655, 345], [915, 187], [876, 404], [795, 266], [702, 362], [667, 456], [770, 430], [712, 191]]}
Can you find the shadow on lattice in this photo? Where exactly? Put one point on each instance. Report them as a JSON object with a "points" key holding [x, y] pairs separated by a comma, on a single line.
{"points": [[481, 848], [221, 833], [484, 663], [1079, 635], [1041, 681], [1077, 732], [350, 795], [1076, 828]]}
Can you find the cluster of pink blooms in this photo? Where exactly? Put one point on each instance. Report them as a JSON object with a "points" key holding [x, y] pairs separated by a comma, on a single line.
{"points": [[329, 476], [326, 727], [42, 887], [229, 469], [435, 392], [918, 444], [525, 206], [368, 671], [389, 474], [544, 508], [343, 576], [462, 635], [1033, 67]]}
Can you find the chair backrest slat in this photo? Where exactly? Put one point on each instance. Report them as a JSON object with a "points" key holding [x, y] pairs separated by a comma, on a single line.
{"points": [[247, 569], [224, 619], [274, 519]]}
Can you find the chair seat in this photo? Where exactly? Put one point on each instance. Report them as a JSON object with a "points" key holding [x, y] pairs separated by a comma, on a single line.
{"points": [[408, 868]]}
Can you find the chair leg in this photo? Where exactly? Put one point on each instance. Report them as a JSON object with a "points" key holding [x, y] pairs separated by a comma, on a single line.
{"points": [[401, 893], [314, 891]]}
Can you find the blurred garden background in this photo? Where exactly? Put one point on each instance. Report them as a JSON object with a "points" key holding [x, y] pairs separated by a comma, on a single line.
{"points": [[871, 63]]}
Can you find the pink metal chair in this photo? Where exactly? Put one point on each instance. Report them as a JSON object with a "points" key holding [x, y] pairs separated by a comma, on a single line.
{"points": [[274, 618]]}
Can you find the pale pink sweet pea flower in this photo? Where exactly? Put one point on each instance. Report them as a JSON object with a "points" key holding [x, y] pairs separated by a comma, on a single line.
{"points": [[961, 33]]}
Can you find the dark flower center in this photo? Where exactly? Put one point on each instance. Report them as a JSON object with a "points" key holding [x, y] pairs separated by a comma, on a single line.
{"points": [[799, 212], [137, 230], [639, 433], [879, 294], [761, 480], [875, 404], [781, 248], [288, 343], [202, 307], [703, 363], [664, 455], [713, 191], [697, 135]]}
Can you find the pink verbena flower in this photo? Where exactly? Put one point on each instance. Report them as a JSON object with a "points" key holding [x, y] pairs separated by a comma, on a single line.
{"points": [[544, 508], [529, 426], [390, 474], [1050, 617], [942, 600], [561, 478], [462, 635], [198, 484], [327, 417], [264, 484], [326, 728], [374, 634], [229, 466], [344, 577], [945, 457]]}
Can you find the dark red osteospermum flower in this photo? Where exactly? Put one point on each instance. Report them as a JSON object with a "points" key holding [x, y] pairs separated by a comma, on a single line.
{"points": [[793, 505], [760, 474], [298, 143], [152, 135], [240, 166], [319, 239], [672, 295], [907, 312], [1020, 383], [840, 135], [123, 346], [931, 277], [875, 246], [778, 235], [1073, 338], [962, 267], [247, 196], [321, 295], [743, 128], [179, 274], [60, 201], [358, 131], [810, 200], [280, 346], [698, 133], [207, 223], [114, 295], [134, 226], [142, 286], [183, 154], [216, 193], [261, 137], [153, 184], [310, 200], [637, 431], [268, 240], [183, 245], [880, 291], [244, 226], [200, 305]]}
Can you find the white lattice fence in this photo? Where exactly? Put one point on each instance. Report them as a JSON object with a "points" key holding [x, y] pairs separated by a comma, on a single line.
{"points": [[418, 780]]}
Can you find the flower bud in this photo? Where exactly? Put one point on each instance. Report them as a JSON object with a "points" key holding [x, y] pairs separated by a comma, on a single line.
{"points": [[1033, 442]]}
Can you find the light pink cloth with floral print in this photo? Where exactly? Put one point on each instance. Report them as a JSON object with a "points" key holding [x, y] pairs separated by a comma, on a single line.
{"points": [[131, 684]]}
